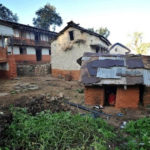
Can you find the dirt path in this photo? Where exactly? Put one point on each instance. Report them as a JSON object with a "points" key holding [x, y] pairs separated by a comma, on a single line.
{"points": [[25, 89], [46, 85]]}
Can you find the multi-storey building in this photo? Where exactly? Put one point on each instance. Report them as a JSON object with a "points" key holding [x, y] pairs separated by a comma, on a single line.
{"points": [[26, 43]]}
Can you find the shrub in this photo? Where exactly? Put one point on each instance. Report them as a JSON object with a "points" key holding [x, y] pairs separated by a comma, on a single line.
{"points": [[138, 134], [56, 131]]}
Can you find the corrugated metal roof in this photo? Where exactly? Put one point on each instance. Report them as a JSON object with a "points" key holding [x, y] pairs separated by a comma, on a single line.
{"points": [[134, 62], [121, 81], [146, 76], [117, 70], [112, 58], [110, 73]]}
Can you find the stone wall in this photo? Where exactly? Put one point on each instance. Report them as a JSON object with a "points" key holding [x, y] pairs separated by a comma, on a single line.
{"points": [[33, 69]]}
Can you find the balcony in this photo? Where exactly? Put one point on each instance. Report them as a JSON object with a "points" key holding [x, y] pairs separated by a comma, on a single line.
{"points": [[3, 54], [26, 42]]}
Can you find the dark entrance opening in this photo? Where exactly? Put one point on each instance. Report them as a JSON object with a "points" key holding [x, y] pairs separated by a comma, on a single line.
{"points": [[38, 55], [141, 89], [37, 37], [110, 95]]}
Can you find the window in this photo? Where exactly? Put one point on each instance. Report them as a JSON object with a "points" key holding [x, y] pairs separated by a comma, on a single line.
{"points": [[71, 35], [22, 50], [49, 52]]}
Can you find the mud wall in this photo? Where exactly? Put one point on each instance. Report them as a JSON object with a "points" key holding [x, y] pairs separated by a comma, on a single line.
{"points": [[67, 74], [94, 95], [146, 96], [128, 98]]}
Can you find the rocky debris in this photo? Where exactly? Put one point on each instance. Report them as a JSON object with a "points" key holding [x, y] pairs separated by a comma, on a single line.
{"points": [[24, 87], [43, 102], [4, 94]]}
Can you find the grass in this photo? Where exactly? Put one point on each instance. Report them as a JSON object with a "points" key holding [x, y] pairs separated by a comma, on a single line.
{"points": [[65, 131]]}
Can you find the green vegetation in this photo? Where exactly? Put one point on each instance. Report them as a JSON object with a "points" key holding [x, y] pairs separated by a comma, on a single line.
{"points": [[137, 43], [55, 131], [7, 14], [80, 90], [47, 17], [138, 134]]}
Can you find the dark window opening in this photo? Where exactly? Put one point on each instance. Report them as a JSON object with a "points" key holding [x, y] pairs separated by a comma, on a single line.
{"points": [[71, 35], [22, 50], [49, 52], [97, 49], [37, 37], [23, 34], [110, 95], [79, 61], [38, 55]]}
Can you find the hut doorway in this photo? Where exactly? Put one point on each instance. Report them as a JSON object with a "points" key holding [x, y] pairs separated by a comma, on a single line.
{"points": [[141, 90], [110, 95]]}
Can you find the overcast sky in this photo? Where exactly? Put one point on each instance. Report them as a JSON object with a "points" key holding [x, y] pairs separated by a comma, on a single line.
{"points": [[121, 17]]}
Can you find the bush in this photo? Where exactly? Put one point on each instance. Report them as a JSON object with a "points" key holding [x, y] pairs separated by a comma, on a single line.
{"points": [[138, 134], [56, 131]]}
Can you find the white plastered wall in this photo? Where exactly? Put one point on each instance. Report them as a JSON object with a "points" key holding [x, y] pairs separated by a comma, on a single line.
{"points": [[16, 33], [118, 50], [30, 35], [66, 60], [43, 37], [6, 31], [16, 50], [30, 50], [45, 51]]}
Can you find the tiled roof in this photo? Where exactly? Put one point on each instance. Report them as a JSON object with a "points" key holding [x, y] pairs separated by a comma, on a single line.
{"points": [[74, 25]]}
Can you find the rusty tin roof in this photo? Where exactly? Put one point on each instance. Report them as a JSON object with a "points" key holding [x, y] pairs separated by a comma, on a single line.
{"points": [[104, 69]]}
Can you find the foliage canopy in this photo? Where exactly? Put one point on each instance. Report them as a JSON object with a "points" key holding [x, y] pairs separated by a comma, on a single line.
{"points": [[46, 17], [7, 14]]}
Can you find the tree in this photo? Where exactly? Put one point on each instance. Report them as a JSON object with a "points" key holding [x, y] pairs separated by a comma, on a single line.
{"points": [[91, 29], [137, 43], [102, 31], [46, 17], [6, 14]]}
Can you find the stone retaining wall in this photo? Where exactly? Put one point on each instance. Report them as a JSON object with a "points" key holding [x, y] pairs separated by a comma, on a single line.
{"points": [[33, 69]]}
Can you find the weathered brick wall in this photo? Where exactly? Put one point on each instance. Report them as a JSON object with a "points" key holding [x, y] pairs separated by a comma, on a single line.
{"points": [[24, 57], [127, 98], [146, 96], [94, 95], [12, 71], [72, 74], [31, 58], [33, 69]]}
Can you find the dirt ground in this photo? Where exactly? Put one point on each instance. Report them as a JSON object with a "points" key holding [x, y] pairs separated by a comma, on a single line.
{"points": [[22, 90]]}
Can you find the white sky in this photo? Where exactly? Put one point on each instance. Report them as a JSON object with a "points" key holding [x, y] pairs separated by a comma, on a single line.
{"points": [[121, 17]]}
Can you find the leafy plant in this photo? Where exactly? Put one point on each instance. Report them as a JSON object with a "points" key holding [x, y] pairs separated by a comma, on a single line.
{"points": [[80, 90], [138, 134], [56, 131]]}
